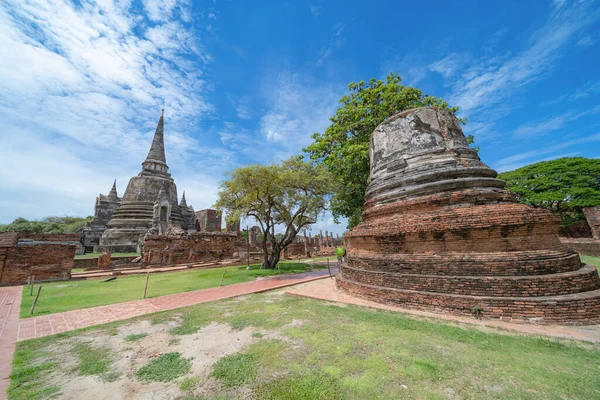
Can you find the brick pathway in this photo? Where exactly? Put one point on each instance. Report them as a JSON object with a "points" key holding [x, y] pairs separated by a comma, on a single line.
{"points": [[36, 327], [10, 304], [326, 290]]}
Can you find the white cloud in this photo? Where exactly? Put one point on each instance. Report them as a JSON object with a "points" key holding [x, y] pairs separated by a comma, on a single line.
{"points": [[585, 90], [411, 67], [540, 128], [449, 65], [586, 41], [315, 10], [493, 80], [518, 160], [92, 77], [335, 43], [297, 109]]}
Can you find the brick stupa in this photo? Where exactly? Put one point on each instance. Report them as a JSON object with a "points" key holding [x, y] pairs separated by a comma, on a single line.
{"points": [[441, 233]]}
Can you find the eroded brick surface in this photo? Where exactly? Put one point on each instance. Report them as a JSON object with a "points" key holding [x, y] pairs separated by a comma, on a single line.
{"points": [[48, 257]]}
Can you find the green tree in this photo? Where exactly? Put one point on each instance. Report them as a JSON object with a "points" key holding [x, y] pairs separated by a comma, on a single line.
{"points": [[344, 146], [564, 186], [290, 195]]}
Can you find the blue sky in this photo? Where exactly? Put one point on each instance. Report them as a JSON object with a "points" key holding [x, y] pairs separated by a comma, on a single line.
{"points": [[249, 82]]}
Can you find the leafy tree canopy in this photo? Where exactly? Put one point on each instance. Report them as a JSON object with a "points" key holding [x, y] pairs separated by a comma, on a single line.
{"points": [[64, 224], [290, 195], [564, 186], [344, 146]]}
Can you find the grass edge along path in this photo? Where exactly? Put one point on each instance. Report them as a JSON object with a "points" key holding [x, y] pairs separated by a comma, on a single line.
{"points": [[61, 296]]}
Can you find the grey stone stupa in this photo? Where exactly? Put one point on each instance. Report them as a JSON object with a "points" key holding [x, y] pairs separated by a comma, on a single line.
{"points": [[149, 204]]}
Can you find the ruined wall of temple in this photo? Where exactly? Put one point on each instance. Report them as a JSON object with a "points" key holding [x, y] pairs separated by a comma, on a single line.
{"points": [[49, 257], [194, 247], [208, 220], [592, 215]]}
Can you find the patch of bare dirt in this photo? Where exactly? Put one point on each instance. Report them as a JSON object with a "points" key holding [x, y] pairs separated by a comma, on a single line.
{"points": [[204, 348]]}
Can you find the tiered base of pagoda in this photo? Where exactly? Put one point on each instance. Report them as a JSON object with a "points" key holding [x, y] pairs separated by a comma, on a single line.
{"points": [[499, 260], [580, 308]]}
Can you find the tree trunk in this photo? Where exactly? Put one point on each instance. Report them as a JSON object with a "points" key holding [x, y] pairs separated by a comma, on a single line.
{"points": [[270, 260]]}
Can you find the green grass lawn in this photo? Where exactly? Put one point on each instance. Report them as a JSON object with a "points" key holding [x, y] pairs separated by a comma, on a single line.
{"points": [[595, 261], [96, 255], [323, 351], [64, 296]]}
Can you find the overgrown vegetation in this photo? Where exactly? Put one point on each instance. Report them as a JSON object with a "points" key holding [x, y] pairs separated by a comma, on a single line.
{"points": [[64, 224], [92, 361], [563, 186], [164, 368], [134, 337], [344, 146], [236, 369]]}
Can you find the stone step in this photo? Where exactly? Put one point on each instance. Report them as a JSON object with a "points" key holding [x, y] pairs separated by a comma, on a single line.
{"points": [[582, 280], [518, 263], [571, 309]]}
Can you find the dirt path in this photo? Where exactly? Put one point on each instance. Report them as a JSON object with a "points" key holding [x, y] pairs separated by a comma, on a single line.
{"points": [[67, 321]]}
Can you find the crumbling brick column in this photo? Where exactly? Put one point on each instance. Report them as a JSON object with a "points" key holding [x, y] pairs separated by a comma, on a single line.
{"points": [[440, 233]]}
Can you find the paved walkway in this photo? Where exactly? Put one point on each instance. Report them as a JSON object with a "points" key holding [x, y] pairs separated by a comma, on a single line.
{"points": [[326, 290], [36, 327], [10, 304]]}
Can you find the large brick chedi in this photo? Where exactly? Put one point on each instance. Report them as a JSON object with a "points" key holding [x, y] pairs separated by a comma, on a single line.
{"points": [[441, 233]]}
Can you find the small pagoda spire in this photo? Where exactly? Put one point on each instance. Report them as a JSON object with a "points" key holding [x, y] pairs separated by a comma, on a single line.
{"points": [[156, 159], [183, 202], [113, 190]]}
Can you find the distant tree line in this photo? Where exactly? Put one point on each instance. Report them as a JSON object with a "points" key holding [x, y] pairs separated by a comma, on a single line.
{"points": [[64, 224], [564, 186]]}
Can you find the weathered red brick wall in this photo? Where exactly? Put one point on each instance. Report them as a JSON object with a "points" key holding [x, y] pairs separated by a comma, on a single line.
{"points": [[585, 246], [502, 260], [93, 262], [294, 250], [48, 257], [592, 215], [194, 247], [581, 308]]}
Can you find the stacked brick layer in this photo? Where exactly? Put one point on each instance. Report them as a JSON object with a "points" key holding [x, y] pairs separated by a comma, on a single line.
{"points": [[440, 233], [495, 260], [48, 257]]}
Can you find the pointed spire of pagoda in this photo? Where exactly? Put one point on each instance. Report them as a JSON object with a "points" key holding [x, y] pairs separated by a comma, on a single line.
{"points": [[156, 159], [113, 190], [183, 202]]}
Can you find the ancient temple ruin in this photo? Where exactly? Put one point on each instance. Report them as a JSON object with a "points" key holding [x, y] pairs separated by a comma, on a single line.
{"points": [[103, 210], [441, 233], [148, 206]]}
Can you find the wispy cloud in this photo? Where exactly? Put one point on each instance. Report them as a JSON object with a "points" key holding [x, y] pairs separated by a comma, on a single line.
{"points": [[297, 109], [336, 42], [315, 10], [543, 127], [449, 65], [585, 90], [518, 160], [94, 76], [586, 41], [492, 80]]}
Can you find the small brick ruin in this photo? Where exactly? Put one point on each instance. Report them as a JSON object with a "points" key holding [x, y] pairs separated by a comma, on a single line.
{"points": [[190, 248], [49, 257], [440, 233]]}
